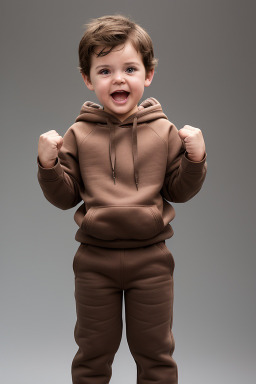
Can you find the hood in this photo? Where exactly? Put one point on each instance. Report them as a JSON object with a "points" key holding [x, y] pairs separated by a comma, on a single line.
{"points": [[149, 110]]}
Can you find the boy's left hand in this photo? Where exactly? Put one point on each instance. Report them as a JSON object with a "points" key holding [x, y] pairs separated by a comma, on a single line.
{"points": [[194, 142]]}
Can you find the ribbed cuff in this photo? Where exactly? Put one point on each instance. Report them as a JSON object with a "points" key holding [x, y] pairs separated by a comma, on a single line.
{"points": [[50, 173], [193, 166]]}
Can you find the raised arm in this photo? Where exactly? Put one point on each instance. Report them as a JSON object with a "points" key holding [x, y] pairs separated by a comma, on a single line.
{"points": [[184, 177], [61, 181]]}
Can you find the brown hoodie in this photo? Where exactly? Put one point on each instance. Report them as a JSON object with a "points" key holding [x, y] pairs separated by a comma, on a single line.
{"points": [[126, 173]]}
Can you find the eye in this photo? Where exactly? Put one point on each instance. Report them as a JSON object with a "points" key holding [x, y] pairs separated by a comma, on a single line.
{"points": [[103, 71], [131, 69]]}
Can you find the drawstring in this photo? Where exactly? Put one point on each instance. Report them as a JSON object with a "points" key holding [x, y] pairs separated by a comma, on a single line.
{"points": [[112, 150], [135, 151]]}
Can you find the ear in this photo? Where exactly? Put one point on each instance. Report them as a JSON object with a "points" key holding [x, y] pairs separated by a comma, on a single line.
{"points": [[149, 77], [87, 82]]}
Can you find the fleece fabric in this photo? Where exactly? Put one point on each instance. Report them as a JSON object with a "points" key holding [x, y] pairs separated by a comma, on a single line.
{"points": [[126, 173]]}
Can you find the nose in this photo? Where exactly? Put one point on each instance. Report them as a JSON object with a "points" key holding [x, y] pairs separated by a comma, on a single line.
{"points": [[118, 78]]}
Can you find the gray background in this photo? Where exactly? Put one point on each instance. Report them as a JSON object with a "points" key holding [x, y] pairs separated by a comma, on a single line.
{"points": [[205, 78]]}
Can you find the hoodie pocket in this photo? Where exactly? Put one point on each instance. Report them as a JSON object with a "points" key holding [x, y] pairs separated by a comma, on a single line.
{"points": [[123, 222]]}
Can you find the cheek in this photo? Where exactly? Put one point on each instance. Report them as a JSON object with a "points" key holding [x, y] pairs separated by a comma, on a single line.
{"points": [[102, 86], [138, 84], [139, 80]]}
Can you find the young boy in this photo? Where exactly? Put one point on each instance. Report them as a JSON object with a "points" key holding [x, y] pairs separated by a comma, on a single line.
{"points": [[126, 162]]}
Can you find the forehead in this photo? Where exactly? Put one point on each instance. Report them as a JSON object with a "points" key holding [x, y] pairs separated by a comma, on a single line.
{"points": [[122, 53]]}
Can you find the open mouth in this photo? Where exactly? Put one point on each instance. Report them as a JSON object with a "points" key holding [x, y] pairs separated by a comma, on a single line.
{"points": [[120, 97]]}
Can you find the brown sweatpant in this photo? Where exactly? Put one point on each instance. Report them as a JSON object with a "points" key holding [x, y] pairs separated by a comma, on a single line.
{"points": [[145, 276]]}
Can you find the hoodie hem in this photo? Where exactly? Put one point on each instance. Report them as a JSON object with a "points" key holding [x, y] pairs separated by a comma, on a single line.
{"points": [[81, 237]]}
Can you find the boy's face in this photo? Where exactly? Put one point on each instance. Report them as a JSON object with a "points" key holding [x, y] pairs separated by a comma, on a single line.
{"points": [[120, 70]]}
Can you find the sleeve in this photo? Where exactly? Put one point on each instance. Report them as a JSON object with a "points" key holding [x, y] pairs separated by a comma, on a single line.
{"points": [[61, 184], [184, 178]]}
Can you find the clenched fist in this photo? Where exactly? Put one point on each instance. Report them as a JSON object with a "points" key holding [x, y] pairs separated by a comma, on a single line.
{"points": [[194, 142], [49, 145]]}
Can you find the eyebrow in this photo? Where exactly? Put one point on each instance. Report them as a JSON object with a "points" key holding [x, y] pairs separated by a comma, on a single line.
{"points": [[106, 65]]}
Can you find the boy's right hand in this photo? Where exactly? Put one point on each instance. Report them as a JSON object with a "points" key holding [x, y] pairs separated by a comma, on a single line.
{"points": [[49, 145]]}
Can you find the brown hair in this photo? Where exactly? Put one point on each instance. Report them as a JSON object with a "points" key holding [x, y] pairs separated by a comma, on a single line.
{"points": [[110, 31]]}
